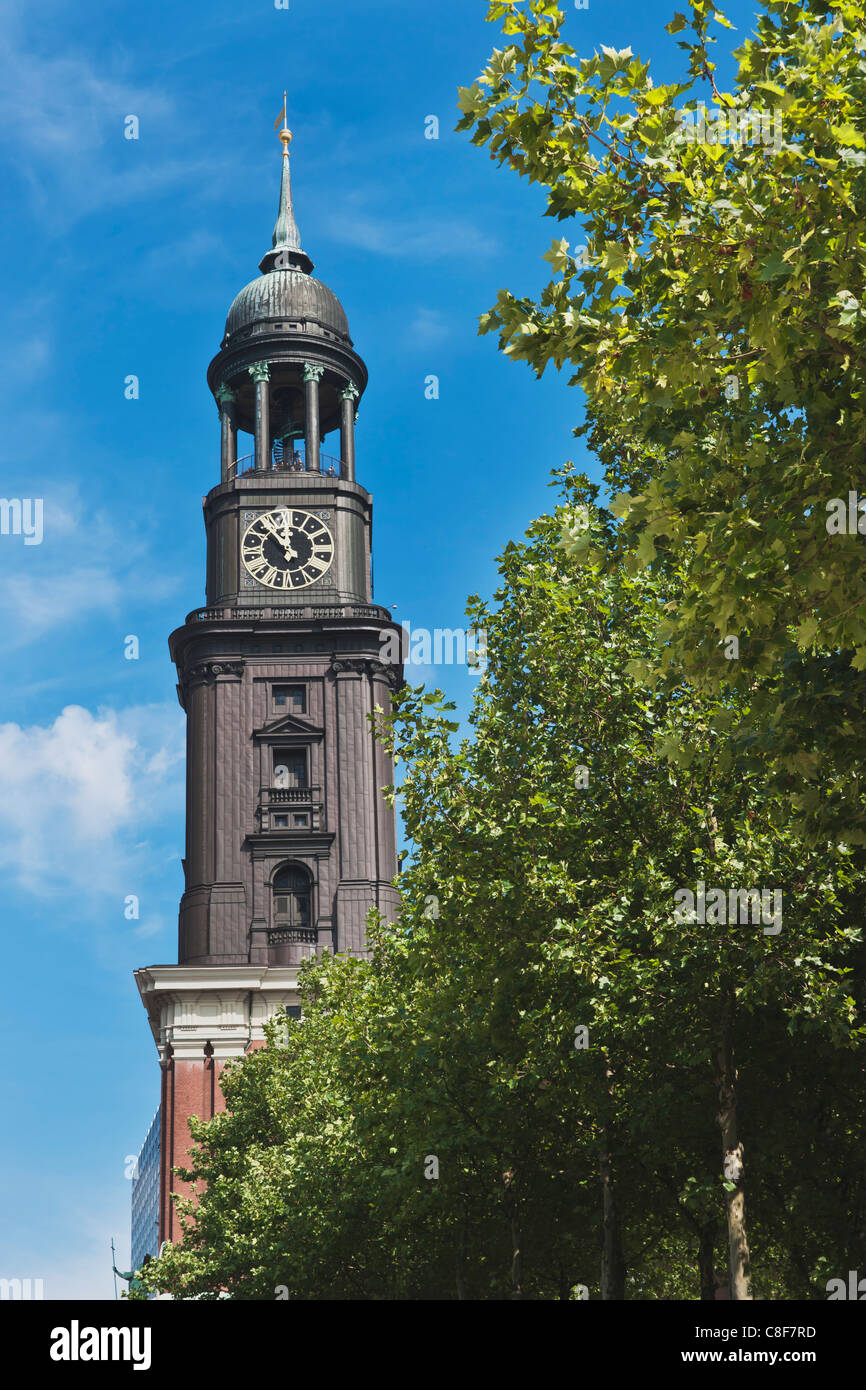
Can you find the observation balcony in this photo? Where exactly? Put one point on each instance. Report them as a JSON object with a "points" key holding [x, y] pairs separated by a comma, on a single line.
{"points": [[294, 612], [289, 809], [293, 936], [287, 463]]}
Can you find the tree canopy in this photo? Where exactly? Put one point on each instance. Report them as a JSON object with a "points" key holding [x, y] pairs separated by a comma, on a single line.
{"points": [[591, 1057], [518, 1095], [713, 318]]}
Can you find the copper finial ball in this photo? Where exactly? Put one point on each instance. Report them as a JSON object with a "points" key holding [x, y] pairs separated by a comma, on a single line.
{"points": [[286, 137]]}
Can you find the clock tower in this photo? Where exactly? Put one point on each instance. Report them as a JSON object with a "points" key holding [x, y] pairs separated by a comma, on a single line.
{"points": [[289, 840]]}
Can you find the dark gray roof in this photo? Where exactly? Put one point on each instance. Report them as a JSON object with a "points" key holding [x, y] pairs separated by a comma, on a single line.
{"points": [[288, 297]]}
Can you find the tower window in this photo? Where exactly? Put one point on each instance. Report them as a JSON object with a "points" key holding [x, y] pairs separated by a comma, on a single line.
{"points": [[290, 697], [292, 897], [290, 767]]}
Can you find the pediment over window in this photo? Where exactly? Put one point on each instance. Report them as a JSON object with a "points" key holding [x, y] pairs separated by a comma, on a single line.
{"points": [[289, 726]]}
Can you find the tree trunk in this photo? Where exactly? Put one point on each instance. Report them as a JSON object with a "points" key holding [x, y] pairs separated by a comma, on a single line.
{"points": [[612, 1258], [516, 1260], [739, 1268], [706, 1259], [460, 1260], [512, 1211]]}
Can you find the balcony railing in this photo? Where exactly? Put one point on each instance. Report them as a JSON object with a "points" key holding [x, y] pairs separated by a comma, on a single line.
{"points": [[291, 613], [292, 936], [289, 801], [328, 467]]}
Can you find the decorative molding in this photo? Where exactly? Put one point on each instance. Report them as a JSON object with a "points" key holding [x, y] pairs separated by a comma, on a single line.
{"points": [[260, 371], [226, 1006], [300, 844], [350, 393], [209, 670], [365, 666], [313, 372], [293, 936], [287, 725]]}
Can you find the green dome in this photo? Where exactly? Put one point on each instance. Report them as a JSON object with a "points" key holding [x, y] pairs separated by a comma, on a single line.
{"points": [[290, 299]]}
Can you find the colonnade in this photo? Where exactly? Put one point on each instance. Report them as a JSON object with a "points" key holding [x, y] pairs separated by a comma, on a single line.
{"points": [[260, 372]]}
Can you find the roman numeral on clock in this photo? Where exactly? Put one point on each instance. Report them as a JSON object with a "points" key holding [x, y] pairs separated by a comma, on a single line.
{"points": [[287, 548]]}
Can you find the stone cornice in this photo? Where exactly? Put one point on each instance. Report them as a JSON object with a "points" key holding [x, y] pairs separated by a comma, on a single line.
{"points": [[297, 843], [161, 979], [210, 670], [277, 347], [223, 1006], [366, 666]]}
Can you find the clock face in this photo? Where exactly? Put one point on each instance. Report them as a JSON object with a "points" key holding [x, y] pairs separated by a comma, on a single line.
{"points": [[287, 548]]}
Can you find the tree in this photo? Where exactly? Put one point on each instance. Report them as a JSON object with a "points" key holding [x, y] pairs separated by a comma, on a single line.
{"points": [[714, 322], [517, 1094]]}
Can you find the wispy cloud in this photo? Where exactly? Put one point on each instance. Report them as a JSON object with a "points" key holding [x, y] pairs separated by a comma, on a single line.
{"points": [[425, 236], [56, 584], [427, 328], [62, 126]]}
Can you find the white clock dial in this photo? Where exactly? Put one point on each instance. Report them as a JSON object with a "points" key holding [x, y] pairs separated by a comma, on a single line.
{"points": [[287, 548]]}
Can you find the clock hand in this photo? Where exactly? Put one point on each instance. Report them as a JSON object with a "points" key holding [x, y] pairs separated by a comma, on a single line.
{"points": [[283, 538], [286, 539]]}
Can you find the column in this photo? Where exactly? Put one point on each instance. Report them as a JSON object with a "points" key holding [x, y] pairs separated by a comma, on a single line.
{"points": [[312, 375], [228, 433], [260, 373], [347, 432]]}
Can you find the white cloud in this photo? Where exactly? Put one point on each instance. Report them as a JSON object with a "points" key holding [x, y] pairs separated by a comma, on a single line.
{"points": [[88, 785]]}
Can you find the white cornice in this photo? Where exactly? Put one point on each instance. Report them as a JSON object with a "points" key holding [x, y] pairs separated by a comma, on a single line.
{"points": [[216, 977], [224, 1007]]}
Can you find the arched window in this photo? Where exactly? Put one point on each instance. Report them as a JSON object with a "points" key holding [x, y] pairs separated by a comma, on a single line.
{"points": [[292, 889]]}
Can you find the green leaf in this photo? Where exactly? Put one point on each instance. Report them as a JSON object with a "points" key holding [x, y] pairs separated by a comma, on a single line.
{"points": [[614, 258]]}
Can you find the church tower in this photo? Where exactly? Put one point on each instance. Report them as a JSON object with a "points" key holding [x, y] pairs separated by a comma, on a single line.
{"points": [[289, 841]]}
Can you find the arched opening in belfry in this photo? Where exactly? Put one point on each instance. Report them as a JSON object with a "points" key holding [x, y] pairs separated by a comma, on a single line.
{"points": [[292, 892]]}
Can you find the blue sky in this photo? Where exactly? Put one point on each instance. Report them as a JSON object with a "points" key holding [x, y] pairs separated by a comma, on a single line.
{"points": [[121, 257]]}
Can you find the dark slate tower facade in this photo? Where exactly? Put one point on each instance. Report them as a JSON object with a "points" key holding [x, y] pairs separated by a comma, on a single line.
{"points": [[289, 840]]}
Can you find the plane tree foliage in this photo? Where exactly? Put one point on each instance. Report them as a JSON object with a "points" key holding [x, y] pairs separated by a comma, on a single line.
{"points": [[710, 306], [541, 1081]]}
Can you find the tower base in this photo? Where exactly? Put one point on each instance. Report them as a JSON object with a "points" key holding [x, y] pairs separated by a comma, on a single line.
{"points": [[201, 1018]]}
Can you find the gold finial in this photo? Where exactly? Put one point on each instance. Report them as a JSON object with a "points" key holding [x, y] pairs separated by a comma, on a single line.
{"points": [[285, 133]]}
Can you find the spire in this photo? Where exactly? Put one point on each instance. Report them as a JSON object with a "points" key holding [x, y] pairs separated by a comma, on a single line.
{"points": [[286, 253]]}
